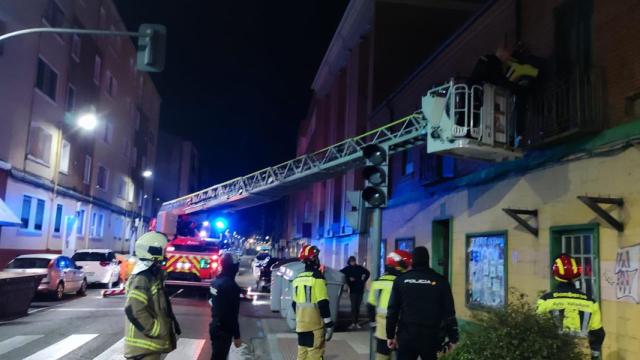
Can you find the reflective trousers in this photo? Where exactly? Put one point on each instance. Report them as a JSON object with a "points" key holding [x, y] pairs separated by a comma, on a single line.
{"points": [[311, 345], [382, 350]]}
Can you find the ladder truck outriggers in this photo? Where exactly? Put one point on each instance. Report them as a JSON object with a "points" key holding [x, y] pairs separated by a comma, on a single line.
{"points": [[457, 118]]}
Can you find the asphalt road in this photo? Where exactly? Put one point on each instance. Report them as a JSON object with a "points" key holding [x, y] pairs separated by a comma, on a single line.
{"points": [[92, 327]]}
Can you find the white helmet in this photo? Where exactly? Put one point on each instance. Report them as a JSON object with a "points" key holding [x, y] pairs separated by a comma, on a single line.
{"points": [[150, 246]]}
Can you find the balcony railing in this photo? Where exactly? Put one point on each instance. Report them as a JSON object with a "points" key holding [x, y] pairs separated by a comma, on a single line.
{"points": [[564, 108]]}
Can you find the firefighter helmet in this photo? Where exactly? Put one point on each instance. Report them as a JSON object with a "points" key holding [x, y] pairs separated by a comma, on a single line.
{"points": [[309, 253], [150, 246], [399, 260], [565, 268]]}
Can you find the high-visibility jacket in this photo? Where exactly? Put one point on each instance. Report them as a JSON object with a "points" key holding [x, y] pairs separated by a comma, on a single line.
{"points": [[378, 301], [149, 318], [310, 301], [577, 313]]}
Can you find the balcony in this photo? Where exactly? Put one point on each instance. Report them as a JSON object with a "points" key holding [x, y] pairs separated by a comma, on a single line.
{"points": [[563, 109]]}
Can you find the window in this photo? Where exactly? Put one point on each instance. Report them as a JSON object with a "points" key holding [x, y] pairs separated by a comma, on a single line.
{"points": [[71, 98], [383, 255], [80, 221], [57, 223], [132, 192], [581, 242], [97, 225], [103, 178], [32, 217], [65, 155], [97, 69], [122, 188], [406, 244], [86, 178], [407, 164], [40, 144], [486, 270], [26, 211], [46, 79], [53, 15], [76, 47], [137, 119], [112, 85], [107, 135], [140, 198]]}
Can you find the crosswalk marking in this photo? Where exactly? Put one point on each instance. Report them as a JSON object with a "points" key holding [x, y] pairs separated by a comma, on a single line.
{"points": [[187, 349], [16, 341], [62, 347], [115, 352]]}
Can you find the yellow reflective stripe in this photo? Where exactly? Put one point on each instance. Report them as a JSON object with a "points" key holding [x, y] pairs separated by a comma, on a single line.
{"points": [[155, 330], [135, 294], [145, 344], [560, 266]]}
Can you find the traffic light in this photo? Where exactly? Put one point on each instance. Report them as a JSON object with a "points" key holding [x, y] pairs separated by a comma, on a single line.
{"points": [[152, 41], [375, 175]]}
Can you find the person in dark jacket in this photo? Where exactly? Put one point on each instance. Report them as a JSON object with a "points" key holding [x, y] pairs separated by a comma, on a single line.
{"points": [[357, 276], [420, 307], [225, 307]]}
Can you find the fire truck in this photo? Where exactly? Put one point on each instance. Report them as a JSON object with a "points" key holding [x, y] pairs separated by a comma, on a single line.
{"points": [[192, 261]]}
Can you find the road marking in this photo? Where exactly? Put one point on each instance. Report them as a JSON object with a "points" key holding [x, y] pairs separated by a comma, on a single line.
{"points": [[187, 349], [90, 309], [17, 341], [115, 352], [36, 310], [62, 347]]}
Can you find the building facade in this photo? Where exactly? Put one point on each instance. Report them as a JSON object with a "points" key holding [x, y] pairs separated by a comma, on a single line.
{"points": [[178, 162], [73, 188], [492, 227]]}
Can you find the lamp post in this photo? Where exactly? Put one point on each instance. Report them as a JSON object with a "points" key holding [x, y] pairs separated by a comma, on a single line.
{"points": [[86, 122], [146, 174]]}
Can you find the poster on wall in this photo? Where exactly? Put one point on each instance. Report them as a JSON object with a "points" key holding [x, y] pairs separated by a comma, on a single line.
{"points": [[621, 278], [486, 285]]}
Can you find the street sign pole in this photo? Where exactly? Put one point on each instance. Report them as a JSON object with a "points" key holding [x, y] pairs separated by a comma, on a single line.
{"points": [[375, 234]]}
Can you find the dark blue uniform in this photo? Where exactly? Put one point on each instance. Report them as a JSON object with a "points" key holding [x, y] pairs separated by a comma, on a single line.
{"points": [[225, 307]]}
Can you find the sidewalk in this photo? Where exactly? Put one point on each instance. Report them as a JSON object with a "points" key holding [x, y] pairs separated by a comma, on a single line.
{"points": [[282, 343]]}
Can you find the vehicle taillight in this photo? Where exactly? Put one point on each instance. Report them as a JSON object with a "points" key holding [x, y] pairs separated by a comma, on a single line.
{"points": [[104, 263], [215, 257], [214, 265]]}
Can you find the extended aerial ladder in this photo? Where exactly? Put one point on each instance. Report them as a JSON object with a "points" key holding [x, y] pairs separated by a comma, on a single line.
{"points": [[456, 118]]}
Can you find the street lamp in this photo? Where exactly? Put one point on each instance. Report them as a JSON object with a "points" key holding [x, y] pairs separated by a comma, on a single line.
{"points": [[147, 173], [87, 121]]}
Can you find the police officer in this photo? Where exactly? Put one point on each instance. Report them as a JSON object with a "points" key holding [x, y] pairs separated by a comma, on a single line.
{"points": [[396, 263], [576, 312], [311, 305], [421, 305], [150, 325], [225, 307]]}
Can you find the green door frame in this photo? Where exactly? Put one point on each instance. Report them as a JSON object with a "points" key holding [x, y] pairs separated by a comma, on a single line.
{"points": [[436, 249], [555, 247]]}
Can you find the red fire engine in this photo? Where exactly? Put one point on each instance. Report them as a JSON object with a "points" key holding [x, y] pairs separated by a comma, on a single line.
{"points": [[192, 261]]}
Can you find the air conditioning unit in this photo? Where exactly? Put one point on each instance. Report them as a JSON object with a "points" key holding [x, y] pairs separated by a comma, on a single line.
{"points": [[472, 121]]}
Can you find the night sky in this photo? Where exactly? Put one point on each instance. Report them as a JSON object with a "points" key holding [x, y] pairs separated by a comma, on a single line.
{"points": [[238, 75]]}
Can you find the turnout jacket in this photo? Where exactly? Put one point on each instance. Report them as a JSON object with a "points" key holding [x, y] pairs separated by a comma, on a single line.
{"points": [[149, 322], [575, 312], [378, 302], [225, 304], [421, 298], [310, 301]]}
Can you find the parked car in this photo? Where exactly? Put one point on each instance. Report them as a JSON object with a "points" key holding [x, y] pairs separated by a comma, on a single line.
{"points": [[63, 275], [99, 265]]}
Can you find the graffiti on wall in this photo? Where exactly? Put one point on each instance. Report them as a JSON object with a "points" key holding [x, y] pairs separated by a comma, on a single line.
{"points": [[626, 273]]}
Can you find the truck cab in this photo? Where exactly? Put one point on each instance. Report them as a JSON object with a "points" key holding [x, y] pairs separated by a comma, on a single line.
{"points": [[192, 261]]}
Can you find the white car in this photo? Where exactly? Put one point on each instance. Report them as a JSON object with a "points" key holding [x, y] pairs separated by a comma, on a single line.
{"points": [[100, 266], [63, 274]]}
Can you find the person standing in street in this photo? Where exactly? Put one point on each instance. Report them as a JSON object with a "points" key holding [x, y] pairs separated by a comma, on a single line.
{"points": [[357, 276], [576, 312], [150, 325], [225, 308], [420, 306], [396, 263], [310, 302]]}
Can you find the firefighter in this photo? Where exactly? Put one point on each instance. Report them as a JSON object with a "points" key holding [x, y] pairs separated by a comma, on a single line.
{"points": [[150, 325], [576, 312], [396, 263], [420, 309], [311, 306]]}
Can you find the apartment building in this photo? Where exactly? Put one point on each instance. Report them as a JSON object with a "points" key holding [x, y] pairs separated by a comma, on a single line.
{"points": [[492, 226], [73, 188], [178, 162]]}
